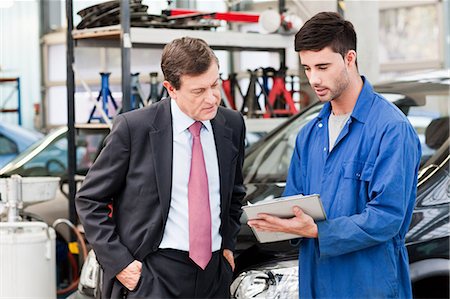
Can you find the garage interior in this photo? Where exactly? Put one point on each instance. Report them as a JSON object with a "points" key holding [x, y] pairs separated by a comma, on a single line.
{"points": [[68, 67]]}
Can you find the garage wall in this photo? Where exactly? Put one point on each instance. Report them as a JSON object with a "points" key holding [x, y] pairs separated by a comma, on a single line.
{"points": [[19, 56]]}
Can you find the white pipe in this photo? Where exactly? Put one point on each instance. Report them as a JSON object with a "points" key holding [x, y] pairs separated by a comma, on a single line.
{"points": [[14, 197]]}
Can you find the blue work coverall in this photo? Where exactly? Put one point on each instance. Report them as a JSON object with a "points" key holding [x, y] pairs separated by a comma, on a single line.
{"points": [[368, 187]]}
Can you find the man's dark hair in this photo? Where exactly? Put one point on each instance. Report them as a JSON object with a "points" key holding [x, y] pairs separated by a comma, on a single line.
{"points": [[186, 56], [326, 29]]}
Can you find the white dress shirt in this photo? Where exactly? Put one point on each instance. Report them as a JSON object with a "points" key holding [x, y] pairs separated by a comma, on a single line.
{"points": [[176, 232]]}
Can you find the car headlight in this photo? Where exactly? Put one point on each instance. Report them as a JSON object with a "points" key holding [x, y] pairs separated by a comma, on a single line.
{"points": [[278, 280]]}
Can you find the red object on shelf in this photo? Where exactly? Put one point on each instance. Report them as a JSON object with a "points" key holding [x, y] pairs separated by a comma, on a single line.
{"points": [[226, 85], [279, 90], [225, 16]]}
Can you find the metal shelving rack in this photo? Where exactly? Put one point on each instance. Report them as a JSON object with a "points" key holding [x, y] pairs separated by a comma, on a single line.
{"points": [[18, 109], [157, 38], [70, 81], [126, 37]]}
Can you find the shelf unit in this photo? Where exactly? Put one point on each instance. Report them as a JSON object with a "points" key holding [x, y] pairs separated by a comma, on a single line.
{"points": [[157, 38], [126, 37], [18, 109]]}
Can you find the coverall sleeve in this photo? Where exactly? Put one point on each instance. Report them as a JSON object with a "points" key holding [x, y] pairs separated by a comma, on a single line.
{"points": [[391, 197]]}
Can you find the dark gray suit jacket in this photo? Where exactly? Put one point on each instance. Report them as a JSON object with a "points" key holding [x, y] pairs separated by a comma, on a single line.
{"points": [[134, 174]]}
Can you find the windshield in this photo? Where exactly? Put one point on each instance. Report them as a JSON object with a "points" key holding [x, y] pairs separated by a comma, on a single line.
{"points": [[48, 157], [269, 163]]}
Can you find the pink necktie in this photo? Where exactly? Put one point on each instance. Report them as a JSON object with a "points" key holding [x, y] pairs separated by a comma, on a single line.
{"points": [[198, 196]]}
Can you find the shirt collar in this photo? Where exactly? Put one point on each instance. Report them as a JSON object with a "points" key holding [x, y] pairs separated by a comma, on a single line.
{"points": [[181, 121], [365, 100], [360, 111]]}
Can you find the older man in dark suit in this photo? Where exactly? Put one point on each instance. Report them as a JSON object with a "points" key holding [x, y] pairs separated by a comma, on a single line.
{"points": [[173, 174]]}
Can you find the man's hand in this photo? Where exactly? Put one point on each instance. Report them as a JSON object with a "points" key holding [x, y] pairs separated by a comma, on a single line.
{"points": [[129, 276], [301, 224], [228, 254]]}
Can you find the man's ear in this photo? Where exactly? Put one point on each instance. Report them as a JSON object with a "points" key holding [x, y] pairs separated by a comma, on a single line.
{"points": [[350, 58], [170, 89]]}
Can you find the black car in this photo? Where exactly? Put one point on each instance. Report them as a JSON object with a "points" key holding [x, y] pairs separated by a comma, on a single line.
{"points": [[270, 270]]}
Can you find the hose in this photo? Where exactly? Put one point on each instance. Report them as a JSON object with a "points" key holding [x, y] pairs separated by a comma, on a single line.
{"points": [[74, 284]]}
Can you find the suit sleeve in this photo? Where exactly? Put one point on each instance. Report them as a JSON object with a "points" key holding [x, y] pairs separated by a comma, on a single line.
{"points": [[103, 182], [237, 195]]}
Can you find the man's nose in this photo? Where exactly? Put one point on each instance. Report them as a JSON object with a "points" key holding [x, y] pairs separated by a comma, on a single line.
{"points": [[211, 95], [314, 78]]}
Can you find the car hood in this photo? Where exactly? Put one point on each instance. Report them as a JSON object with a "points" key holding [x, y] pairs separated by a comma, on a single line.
{"points": [[429, 221]]}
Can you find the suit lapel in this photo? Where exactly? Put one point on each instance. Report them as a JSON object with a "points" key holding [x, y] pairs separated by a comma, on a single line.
{"points": [[161, 140], [224, 147]]}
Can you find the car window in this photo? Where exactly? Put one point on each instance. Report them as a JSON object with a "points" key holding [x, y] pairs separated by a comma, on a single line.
{"points": [[270, 162], [7, 146], [48, 157], [51, 160], [423, 119], [89, 145]]}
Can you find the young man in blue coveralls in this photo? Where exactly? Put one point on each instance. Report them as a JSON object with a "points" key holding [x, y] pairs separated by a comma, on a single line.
{"points": [[362, 156]]}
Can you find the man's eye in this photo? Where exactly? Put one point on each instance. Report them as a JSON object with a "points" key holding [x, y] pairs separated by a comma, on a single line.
{"points": [[322, 67]]}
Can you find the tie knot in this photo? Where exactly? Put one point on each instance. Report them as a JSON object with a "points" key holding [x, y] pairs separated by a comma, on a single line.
{"points": [[195, 128]]}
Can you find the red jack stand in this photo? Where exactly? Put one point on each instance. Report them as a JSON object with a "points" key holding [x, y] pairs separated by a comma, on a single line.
{"points": [[279, 96]]}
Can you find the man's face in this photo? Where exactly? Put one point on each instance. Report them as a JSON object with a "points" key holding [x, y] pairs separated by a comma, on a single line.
{"points": [[327, 73], [198, 96]]}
